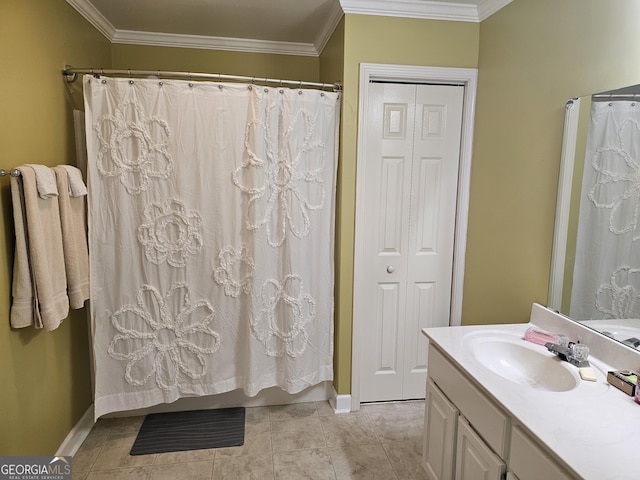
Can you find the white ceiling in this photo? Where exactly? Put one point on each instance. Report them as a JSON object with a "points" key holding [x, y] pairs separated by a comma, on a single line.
{"points": [[297, 27]]}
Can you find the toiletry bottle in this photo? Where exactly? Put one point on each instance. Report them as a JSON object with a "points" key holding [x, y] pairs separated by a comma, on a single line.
{"points": [[535, 335]]}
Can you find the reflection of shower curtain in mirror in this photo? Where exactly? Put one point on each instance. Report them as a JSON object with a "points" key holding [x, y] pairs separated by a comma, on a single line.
{"points": [[606, 278], [211, 238]]}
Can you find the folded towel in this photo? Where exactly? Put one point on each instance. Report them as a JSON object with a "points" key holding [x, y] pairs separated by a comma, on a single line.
{"points": [[43, 237], [77, 187], [74, 236], [22, 289], [45, 181]]}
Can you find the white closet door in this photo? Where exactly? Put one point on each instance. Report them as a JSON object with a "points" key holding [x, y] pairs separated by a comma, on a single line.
{"points": [[413, 148], [432, 216]]}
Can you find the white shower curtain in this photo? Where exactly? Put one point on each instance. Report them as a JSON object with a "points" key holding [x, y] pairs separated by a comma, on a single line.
{"points": [[211, 230], [606, 279]]}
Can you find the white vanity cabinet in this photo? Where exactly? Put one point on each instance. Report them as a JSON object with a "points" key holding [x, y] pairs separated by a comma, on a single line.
{"points": [[463, 428], [468, 435]]}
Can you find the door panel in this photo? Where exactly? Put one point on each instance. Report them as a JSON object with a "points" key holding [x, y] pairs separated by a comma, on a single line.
{"points": [[474, 459], [387, 326], [391, 205], [424, 294], [428, 185], [411, 171], [432, 211]]}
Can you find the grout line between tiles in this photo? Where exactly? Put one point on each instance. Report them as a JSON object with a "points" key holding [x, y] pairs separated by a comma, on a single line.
{"points": [[313, 413]]}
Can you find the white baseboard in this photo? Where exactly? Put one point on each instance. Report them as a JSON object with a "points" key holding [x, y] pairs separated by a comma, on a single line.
{"points": [[77, 435], [340, 403]]}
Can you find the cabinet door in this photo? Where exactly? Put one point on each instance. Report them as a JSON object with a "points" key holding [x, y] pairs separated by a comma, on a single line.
{"points": [[474, 460], [440, 419]]}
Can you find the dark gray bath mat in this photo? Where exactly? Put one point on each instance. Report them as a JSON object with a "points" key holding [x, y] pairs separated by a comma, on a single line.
{"points": [[191, 430]]}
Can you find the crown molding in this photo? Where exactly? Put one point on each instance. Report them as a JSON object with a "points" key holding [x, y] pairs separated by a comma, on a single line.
{"points": [[486, 8], [94, 17], [472, 11], [330, 26], [460, 12], [425, 9], [132, 37]]}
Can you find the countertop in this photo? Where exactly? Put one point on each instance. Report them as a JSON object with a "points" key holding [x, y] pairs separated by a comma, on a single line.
{"points": [[594, 428]]}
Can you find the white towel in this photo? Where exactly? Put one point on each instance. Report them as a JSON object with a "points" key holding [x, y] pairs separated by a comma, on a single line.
{"points": [[74, 237], [22, 288], [42, 235], [77, 188], [45, 181]]}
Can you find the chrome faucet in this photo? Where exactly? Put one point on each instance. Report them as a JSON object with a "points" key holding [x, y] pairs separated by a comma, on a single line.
{"points": [[574, 353]]}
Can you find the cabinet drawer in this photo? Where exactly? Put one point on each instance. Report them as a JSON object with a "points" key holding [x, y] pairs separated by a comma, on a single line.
{"points": [[487, 419], [530, 462]]}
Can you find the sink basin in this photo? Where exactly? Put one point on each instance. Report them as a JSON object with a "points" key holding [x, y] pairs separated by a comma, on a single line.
{"points": [[523, 363]]}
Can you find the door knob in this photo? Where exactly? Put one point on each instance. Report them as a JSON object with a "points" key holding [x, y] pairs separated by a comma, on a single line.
{"points": [[390, 269]]}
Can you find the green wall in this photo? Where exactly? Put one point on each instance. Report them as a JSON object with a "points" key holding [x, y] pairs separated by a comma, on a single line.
{"points": [[390, 40], [332, 57], [534, 56], [45, 381], [357, 38], [331, 71], [142, 57], [45, 375]]}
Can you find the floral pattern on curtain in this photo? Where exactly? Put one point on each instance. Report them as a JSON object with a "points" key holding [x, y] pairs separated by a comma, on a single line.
{"points": [[606, 279], [211, 233]]}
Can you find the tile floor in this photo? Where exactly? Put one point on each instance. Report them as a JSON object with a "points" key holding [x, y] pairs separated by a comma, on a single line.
{"points": [[288, 442]]}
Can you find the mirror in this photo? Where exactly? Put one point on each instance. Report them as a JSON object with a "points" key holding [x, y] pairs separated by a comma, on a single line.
{"points": [[595, 271]]}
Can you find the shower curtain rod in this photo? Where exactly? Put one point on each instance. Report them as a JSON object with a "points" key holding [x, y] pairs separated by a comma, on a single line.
{"points": [[71, 73], [614, 96]]}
